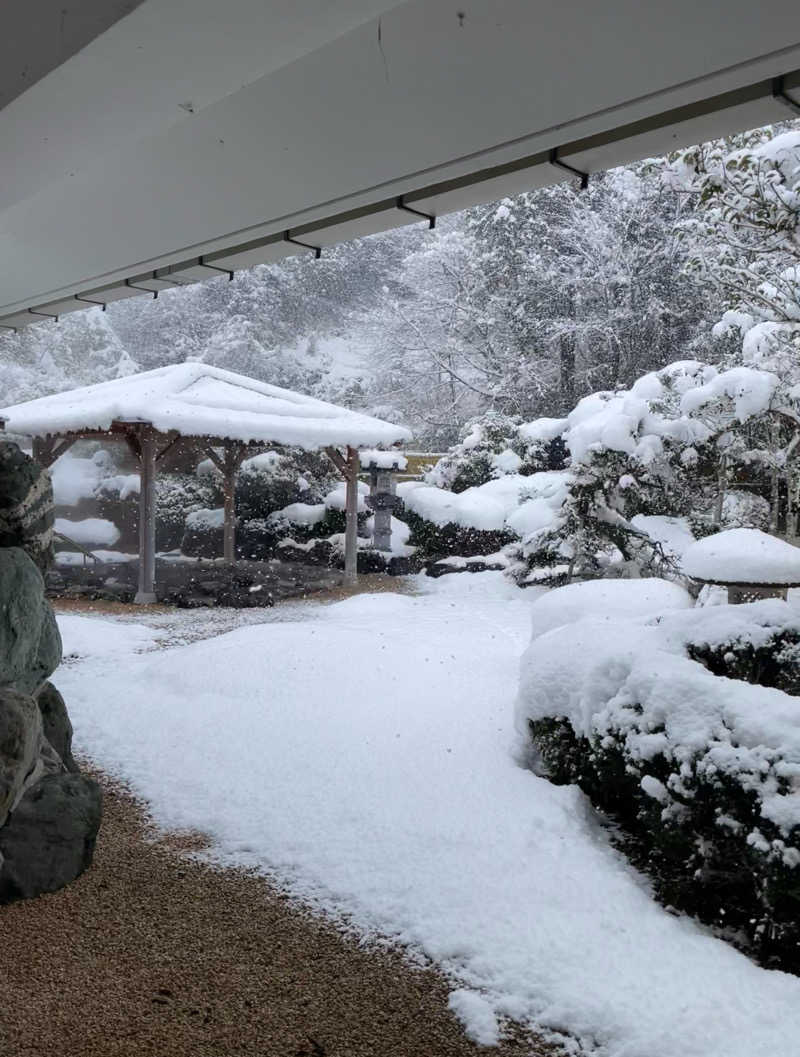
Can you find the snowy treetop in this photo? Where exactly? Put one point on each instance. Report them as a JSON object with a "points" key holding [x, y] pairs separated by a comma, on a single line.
{"points": [[743, 555], [197, 399]]}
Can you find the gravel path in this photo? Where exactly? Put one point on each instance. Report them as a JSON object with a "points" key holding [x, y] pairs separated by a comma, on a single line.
{"points": [[155, 953]]}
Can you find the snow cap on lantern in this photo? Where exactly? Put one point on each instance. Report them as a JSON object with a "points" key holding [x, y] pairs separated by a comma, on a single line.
{"points": [[750, 563]]}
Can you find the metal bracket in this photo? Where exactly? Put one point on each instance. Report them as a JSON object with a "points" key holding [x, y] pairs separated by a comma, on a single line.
{"points": [[213, 267], [417, 213], [779, 93], [582, 176], [44, 315], [296, 242], [89, 301], [143, 289]]}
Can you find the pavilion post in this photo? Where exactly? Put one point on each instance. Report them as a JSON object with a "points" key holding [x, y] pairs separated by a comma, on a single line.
{"points": [[233, 457], [147, 517], [351, 518]]}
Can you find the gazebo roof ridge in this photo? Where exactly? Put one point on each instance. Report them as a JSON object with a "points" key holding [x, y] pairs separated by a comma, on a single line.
{"points": [[195, 399]]}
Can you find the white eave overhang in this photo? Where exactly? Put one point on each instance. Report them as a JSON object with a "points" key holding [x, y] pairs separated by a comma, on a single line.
{"points": [[396, 121]]}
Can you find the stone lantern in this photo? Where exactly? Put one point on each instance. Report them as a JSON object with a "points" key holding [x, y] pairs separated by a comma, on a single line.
{"points": [[381, 466], [749, 563]]}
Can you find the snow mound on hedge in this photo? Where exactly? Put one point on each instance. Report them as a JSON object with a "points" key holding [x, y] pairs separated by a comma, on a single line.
{"points": [[91, 530], [203, 520], [75, 478], [305, 514], [513, 503], [605, 600], [633, 675], [336, 499]]}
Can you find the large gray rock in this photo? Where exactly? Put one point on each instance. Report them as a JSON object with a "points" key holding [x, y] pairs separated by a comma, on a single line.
{"points": [[50, 836], [20, 745], [30, 644], [49, 814], [26, 505], [56, 724]]}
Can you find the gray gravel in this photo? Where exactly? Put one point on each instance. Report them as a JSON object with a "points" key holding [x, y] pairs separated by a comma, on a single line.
{"points": [[153, 952]]}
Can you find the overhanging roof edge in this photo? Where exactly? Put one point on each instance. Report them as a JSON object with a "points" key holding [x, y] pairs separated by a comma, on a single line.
{"points": [[282, 243]]}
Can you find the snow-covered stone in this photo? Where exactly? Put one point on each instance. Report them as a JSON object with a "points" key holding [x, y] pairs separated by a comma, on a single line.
{"points": [[384, 460]]}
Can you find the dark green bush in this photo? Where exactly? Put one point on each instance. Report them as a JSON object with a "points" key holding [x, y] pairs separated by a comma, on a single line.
{"points": [[441, 541], [774, 662], [696, 839]]}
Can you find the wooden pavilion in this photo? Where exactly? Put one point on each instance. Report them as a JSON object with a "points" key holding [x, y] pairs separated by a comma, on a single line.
{"points": [[232, 416]]}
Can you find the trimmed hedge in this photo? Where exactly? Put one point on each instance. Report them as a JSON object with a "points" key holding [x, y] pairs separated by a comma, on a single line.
{"points": [[697, 830], [441, 541]]}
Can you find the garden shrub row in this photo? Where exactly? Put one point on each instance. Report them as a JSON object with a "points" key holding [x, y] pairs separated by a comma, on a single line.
{"points": [[713, 822]]}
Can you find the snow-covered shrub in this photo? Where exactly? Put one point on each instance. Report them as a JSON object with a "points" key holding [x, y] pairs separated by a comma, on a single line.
{"points": [[275, 492], [79, 473], [177, 496], [670, 446], [203, 533], [744, 510], [483, 519], [329, 552], [434, 541], [279, 494], [682, 729], [308, 527], [275, 479], [746, 246], [496, 444]]}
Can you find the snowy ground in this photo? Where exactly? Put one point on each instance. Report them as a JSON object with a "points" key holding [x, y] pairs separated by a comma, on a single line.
{"points": [[361, 754]]}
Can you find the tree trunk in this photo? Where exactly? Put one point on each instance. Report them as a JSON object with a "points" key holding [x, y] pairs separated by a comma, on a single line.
{"points": [[566, 361]]}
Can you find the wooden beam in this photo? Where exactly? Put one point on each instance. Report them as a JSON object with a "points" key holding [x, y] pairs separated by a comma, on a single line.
{"points": [[218, 462], [59, 449], [168, 447], [338, 461], [234, 453], [351, 517], [42, 451], [132, 440], [147, 517]]}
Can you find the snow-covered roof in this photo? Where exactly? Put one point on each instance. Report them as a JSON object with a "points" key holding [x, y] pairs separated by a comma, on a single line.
{"points": [[743, 556], [383, 460], [196, 399]]}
